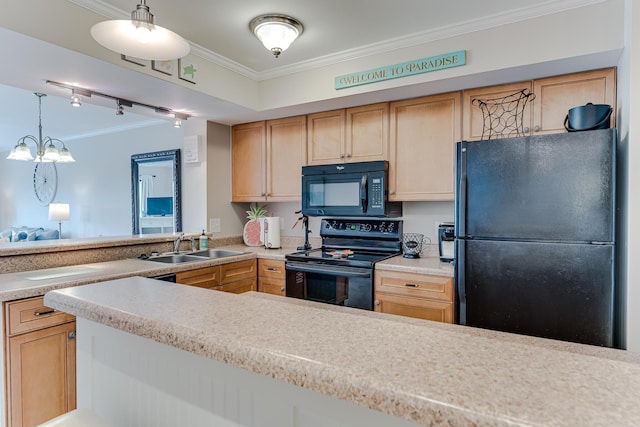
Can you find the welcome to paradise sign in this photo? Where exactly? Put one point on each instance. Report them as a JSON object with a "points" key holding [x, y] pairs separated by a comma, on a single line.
{"points": [[410, 68]]}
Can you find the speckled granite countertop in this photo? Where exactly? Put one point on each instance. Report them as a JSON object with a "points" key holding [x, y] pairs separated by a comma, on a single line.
{"points": [[426, 372]]}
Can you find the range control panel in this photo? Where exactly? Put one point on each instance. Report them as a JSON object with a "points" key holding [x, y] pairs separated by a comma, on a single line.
{"points": [[358, 227]]}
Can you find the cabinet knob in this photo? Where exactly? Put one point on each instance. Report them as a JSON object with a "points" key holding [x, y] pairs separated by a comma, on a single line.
{"points": [[348, 155], [526, 130], [341, 156], [376, 302], [392, 192], [536, 128], [282, 289], [262, 194], [72, 335], [268, 194]]}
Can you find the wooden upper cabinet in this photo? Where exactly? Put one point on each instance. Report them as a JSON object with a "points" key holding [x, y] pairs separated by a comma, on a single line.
{"points": [[266, 160], [286, 154], [367, 133], [554, 96], [248, 165], [325, 137], [423, 133], [358, 134], [473, 118]]}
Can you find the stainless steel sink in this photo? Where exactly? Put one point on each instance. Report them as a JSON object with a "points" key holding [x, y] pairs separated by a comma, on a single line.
{"points": [[217, 253], [177, 258]]}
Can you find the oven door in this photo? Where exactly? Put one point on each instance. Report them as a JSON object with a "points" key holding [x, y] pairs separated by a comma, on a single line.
{"points": [[331, 284]]}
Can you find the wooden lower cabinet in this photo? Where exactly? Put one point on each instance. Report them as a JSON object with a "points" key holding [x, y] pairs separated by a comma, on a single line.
{"points": [[272, 277], [414, 295], [41, 362], [236, 277]]}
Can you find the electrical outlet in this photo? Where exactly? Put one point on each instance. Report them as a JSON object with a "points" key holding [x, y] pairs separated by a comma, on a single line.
{"points": [[214, 225]]}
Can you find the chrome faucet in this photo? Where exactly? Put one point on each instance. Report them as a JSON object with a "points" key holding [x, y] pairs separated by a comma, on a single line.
{"points": [[176, 244], [193, 243]]}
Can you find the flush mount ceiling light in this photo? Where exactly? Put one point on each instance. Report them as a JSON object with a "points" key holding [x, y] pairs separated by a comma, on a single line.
{"points": [[276, 32], [140, 38], [46, 151]]}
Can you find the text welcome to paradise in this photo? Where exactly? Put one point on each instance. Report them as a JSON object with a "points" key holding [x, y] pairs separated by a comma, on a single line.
{"points": [[419, 66]]}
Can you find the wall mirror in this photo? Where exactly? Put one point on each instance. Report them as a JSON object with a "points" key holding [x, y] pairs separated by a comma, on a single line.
{"points": [[155, 192]]}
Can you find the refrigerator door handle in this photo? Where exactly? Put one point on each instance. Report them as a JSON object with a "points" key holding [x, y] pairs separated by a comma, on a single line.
{"points": [[460, 281], [461, 190]]}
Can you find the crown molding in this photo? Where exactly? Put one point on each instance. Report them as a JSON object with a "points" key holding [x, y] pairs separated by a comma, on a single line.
{"points": [[461, 28]]}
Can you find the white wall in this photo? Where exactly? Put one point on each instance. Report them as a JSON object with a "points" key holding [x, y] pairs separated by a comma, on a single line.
{"points": [[98, 185]]}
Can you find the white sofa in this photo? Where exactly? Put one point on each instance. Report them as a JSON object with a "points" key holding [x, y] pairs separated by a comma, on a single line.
{"points": [[24, 233]]}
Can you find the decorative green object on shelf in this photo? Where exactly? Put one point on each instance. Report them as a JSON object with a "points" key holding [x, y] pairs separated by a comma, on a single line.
{"points": [[252, 234]]}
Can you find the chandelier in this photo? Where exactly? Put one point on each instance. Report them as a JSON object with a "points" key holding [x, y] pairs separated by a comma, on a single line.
{"points": [[46, 151]]}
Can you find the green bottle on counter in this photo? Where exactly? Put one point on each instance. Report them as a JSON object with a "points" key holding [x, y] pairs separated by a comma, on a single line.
{"points": [[203, 241]]}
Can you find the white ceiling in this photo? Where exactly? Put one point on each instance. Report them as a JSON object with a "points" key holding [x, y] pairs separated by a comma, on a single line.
{"points": [[335, 30]]}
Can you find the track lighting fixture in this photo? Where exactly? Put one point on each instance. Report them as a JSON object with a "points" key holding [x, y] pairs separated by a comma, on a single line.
{"points": [[76, 92]]}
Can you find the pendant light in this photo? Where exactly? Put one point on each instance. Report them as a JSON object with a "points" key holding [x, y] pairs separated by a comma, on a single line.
{"points": [[276, 32], [140, 37]]}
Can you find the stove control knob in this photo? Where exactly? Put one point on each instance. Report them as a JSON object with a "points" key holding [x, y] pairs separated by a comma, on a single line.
{"points": [[367, 227], [390, 228]]}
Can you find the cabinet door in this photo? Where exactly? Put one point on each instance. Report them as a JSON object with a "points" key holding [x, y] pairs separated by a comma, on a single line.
{"points": [[248, 166], [207, 277], [238, 287], [272, 286], [423, 133], [271, 268], [237, 271], [41, 375], [556, 95], [437, 311], [326, 137], [473, 118], [367, 133], [286, 154]]}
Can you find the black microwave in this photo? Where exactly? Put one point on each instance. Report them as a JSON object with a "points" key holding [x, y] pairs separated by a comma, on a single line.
{"points": [[348, 189]]}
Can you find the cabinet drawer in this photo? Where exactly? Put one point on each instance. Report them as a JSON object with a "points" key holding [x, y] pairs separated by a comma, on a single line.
{"points": [[202, 277], [238, 287], [31, 314], [416, 285], [271, 268], [272, 286], [238, 271]]}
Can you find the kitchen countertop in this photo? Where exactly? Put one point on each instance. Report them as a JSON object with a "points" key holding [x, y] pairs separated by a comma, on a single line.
{"points": [[32, 283], [426, 372]]}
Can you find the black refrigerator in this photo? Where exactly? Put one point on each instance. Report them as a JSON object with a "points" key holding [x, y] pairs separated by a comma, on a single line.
{"points": [[535, 236]]}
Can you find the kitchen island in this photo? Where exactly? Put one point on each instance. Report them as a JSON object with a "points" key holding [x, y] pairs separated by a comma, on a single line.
{"points": [[164, 354]]}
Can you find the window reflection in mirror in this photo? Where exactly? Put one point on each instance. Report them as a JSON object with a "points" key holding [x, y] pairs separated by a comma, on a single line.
{"points": [[155, 192]]}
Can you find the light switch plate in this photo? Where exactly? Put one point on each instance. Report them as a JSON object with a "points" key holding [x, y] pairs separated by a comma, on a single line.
{"points": [[214, 225]]}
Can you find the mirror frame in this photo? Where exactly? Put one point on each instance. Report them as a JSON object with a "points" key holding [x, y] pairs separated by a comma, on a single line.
{"points": [[136, 160]]}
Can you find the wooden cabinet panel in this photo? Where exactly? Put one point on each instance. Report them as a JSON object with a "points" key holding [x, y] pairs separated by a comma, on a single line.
{"points": [[31, 314], [415, 307], [238, 271], [238, 287], [207, 277], [248, 165], [556, 95], [286, 154], [271, 277], [272, 286], [271, 268], [325, 137], [40, 363], [423, 133], [414, 295], [367, 133], [473, 119]]}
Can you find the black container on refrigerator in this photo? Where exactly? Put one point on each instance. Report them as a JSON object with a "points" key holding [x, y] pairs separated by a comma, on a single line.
{"points": [[535, 236]]}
